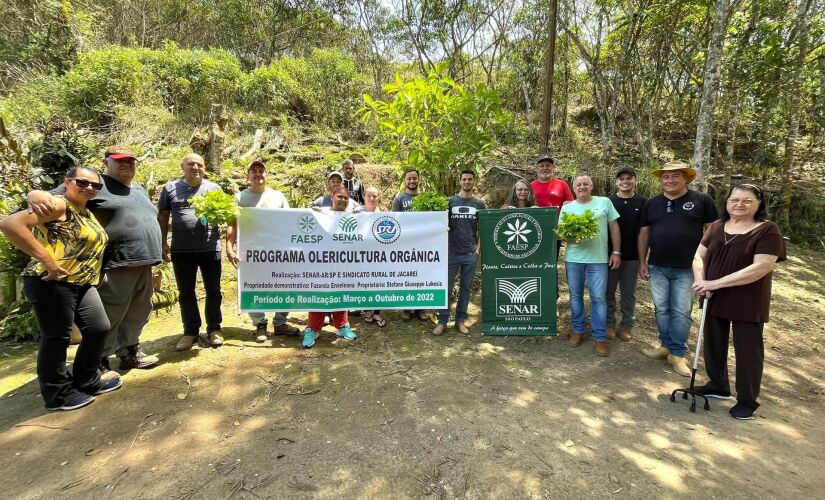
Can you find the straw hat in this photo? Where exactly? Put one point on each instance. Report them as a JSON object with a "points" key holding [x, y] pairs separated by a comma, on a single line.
{"points": [[670, 166]]}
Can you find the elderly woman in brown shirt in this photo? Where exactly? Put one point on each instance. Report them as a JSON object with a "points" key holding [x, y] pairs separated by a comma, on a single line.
{"points": [[732, 268]]}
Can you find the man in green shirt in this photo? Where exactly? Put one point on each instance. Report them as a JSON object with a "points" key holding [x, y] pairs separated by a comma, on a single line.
{"points": [[586, 261]]}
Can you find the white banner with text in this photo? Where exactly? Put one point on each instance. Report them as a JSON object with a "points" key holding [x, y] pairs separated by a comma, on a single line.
{"points": [[307, 260]]}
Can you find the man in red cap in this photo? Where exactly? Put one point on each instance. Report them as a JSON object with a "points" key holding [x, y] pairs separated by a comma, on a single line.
{"points": [[130, 218], [258, 195]]}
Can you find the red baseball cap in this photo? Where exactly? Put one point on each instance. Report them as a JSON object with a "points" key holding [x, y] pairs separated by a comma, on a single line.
{"points": [[119, 153], [258, 163]]}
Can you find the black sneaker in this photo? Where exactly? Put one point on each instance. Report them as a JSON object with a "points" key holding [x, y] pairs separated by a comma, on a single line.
{"points": [[108, 385], [711, 393], [134, 357], [742, 411], [76, 402]]}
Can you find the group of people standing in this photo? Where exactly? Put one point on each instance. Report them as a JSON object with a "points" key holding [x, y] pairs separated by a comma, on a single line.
{"points": [[95, 238], [680, 244]]}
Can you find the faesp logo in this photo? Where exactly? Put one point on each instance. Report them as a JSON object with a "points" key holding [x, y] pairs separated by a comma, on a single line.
{"points": [[307, 225], [521, 295], [386, 229], [517, 236]]}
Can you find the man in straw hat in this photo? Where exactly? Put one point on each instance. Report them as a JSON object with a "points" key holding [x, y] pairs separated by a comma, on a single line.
{"points": [[672, 224]]}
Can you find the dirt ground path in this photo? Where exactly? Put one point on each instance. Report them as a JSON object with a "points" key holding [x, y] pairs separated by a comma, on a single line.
{"points": [[402, 414]]}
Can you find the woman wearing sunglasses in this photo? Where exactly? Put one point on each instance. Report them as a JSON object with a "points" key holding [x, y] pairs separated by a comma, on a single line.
{"points": [[60, 283]]}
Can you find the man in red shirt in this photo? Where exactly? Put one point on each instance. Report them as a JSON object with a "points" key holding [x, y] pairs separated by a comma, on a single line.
{"points": [[550, 192]]}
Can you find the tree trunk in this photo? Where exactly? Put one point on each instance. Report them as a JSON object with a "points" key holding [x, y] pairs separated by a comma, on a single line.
{"points": [[218, 118], [566, 87], [547, 111], [795, 70], [710, 88]]}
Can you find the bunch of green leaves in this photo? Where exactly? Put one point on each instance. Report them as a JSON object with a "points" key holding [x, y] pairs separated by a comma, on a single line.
{"points": [[578, 227], [215, 207], [436, 126], [430, 201]]}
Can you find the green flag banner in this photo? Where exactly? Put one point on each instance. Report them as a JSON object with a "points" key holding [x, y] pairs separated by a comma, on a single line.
{"points": [[518, 271]]}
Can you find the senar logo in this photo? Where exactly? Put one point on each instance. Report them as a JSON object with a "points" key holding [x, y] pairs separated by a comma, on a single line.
{"points": [[348, 224], [386, 229], [518, 293], [518, 297]]}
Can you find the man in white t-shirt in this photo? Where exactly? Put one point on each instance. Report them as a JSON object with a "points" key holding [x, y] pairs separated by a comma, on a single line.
{"points": [[257, 195]]}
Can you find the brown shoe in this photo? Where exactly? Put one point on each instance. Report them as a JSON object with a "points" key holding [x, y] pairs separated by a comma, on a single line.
{"points": [[461, 327], [423, 316], [185, 342], [624, 334], [260, 333], [215, 338], [439, 329], [285, 329], [601, 348], [656, 353], [611, 332], [679, 364], [405, 315], [576, 339]]}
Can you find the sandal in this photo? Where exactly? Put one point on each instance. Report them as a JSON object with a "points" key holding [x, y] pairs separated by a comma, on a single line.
{"points": [[368, 319], [381, 322]]}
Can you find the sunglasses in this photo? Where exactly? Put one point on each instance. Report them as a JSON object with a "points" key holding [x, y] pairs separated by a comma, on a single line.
{"points": [[669, 206], [83, 184]]}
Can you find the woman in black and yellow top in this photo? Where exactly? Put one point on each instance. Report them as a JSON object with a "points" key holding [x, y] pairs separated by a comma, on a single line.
{"points": [[60, 282]]}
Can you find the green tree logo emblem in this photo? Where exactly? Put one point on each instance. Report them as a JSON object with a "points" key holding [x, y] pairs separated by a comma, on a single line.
{"points": [[348, 224]]}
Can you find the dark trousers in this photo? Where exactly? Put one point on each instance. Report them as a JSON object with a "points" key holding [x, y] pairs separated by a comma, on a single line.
{"points": [[56, 306], [186, 267], [624, 278], [463, 265], [750, 357]]}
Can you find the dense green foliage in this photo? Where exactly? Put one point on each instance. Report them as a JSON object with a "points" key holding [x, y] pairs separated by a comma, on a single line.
{"points": [[430, 201], [436, 126]]}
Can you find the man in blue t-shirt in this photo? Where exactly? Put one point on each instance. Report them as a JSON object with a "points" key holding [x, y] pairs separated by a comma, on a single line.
{"points": [[462, 254], [195, 245], [586, 261], [403, 203], [672, 224]]}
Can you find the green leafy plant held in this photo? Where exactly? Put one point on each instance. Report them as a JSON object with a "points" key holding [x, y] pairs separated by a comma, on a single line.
{"points": [[578, 227], [216, 208]]}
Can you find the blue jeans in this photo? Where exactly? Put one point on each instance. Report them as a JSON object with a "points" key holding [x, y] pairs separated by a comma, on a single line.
{"points": [[596, 277], [673, 299], [466, 265]]}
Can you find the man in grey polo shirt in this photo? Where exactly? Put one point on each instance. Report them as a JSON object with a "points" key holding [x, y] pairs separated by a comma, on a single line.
{"points": [[258, 195], [195, 245]]}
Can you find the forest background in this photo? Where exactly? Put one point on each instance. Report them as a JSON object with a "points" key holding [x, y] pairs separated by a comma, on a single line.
{"points": [[736, 87]]}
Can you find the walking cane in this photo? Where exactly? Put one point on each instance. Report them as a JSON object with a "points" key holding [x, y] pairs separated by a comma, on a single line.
{"points": [[690, 390]]}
